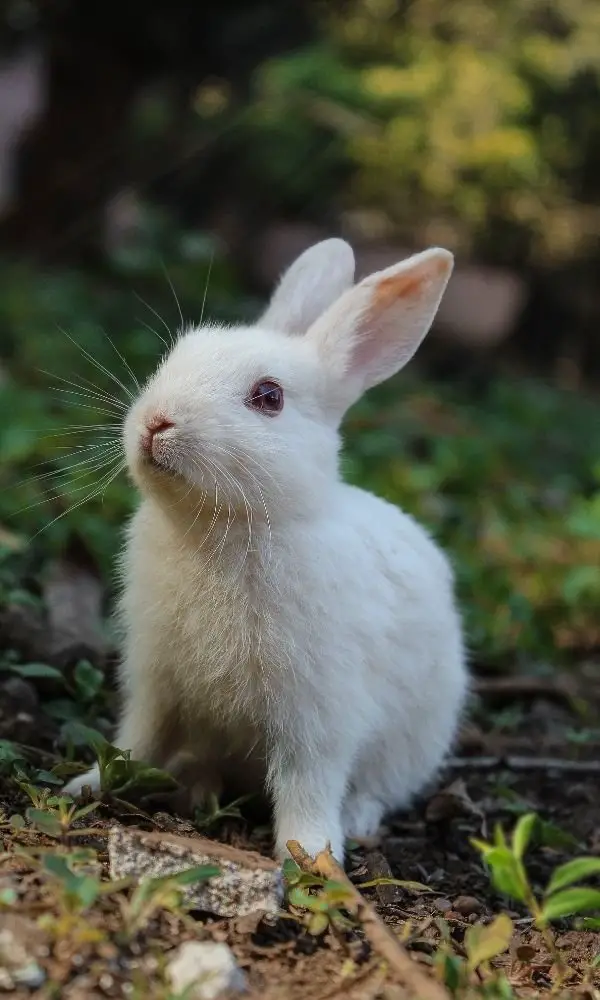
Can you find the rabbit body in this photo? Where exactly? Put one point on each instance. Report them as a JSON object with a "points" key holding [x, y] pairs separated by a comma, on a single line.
{"points": [[307, 638]]}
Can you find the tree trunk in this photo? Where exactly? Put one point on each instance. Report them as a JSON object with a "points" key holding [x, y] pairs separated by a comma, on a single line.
{"points": [[74, 157]]}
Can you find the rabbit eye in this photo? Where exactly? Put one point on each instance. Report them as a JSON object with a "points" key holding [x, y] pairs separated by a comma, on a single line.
{"points": [[266, 396]]}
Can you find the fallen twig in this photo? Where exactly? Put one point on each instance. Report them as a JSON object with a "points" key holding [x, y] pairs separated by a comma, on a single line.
{"points": [[514, 763], [501, 689], [381, 938]]}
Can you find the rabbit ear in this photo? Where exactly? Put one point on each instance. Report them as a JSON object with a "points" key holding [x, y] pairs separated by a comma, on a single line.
{"points": [[374, 329], [312, 283]]}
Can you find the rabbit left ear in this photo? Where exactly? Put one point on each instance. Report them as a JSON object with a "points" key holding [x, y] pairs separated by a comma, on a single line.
{"points": [[374, 329], [313, 282]]}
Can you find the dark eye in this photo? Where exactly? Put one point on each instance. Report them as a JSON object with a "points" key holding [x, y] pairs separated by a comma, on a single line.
{"points": [[266, 396]]}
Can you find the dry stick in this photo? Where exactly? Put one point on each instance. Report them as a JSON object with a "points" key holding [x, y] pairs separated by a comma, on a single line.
{"points": [[421, 986], [513, 763], [559, 688]]}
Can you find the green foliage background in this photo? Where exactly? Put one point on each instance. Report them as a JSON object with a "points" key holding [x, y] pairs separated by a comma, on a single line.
{"points": [[473, 124]]}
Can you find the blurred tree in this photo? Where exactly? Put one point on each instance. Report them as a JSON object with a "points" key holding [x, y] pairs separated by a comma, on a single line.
{"points": [[99, 59], [476, 122]]}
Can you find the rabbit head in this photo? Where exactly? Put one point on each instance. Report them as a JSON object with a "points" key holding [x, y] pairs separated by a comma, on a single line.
{"points": [[248, 416]]}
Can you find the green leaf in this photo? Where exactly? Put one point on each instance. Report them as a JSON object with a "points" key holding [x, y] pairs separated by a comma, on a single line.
{"points": [[570, 901], [85, 888], [499, 836], [291, 871], [190, 876], [85, 810], [485, 942], [589, 924], [452, 968], [47, 778], [412, 886], [79, 734], [37, 671], [549, 834], [302, 898], [573, 871], [88, 680], [57, 865], [522, 834], [45, 822], [506, 872], [337, 893], [318, 924]]}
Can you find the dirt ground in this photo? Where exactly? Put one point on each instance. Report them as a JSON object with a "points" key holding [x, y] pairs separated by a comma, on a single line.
{"points": [[530, 744]]}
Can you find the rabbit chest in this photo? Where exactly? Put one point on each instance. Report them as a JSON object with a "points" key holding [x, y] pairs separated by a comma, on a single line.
{"points": [[216, 626]]}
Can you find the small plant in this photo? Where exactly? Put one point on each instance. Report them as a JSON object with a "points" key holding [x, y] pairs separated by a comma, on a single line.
{"points": [[562, 897], [509, 876], [213, 813], [55, 815], [482, 943], [79, 888], [120, 775], [321, 910], [164, 893], [16, 763], [320, 903]]}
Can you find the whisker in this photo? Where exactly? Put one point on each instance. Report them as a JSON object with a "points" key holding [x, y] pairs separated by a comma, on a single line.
{"points": [[98, 390], [89, 395], [97, 364], [78, 451], [125, 363], [155, 332], [212, 257], [93, 465], [157, 314], [101, 397], [172, 287], [76, 489], [104, 484], [84, 406], [76, 431]]}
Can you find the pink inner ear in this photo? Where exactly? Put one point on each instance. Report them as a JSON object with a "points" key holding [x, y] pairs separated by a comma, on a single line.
{"points": [[389, 290], [405, 290]]}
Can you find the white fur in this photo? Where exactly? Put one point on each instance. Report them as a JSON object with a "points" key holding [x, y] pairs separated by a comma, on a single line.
{"points": [[280, 624]]}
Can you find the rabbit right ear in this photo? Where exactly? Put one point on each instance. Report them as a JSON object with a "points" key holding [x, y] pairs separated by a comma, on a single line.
{"points": [[313, 282], [374, 329]]}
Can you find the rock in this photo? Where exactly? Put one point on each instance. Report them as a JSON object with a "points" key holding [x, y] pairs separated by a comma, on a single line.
{"points": [[22, 695], [73, 596], [450, 802], [20, 940], [443, 905], [247, 883], [466, 905], [204, 970]]}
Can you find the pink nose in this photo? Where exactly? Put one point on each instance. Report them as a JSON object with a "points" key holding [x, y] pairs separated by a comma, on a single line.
{"points": [[154, 425]]}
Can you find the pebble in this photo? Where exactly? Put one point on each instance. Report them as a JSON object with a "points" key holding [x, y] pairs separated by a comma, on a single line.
{"points": [[22, 694], [466, 905], [443, 905], [204, 970], [19, 937], [30, 975]]}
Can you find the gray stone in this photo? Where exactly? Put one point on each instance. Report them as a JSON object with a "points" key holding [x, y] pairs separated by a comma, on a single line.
{"points": [[205, 970]]}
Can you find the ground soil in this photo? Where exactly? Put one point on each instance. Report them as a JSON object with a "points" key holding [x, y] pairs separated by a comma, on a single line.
{"points": [[430, 844]]}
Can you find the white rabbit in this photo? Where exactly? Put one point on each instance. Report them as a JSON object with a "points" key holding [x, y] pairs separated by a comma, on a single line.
{"points": [[281, 625]]}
